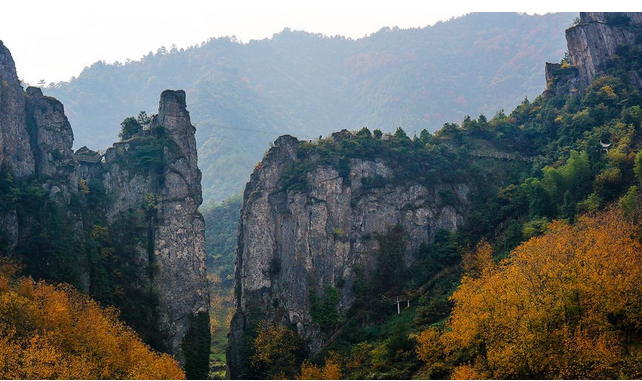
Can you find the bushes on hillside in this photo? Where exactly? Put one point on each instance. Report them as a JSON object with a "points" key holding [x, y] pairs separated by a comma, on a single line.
{"points": [[55, 332], [563, 305]]}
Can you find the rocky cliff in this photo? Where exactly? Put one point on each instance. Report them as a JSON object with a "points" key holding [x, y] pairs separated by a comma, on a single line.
{"points": [[122, 225], [14, 138], [592, 42], [37, 167], [153, 180], [297, 242]]}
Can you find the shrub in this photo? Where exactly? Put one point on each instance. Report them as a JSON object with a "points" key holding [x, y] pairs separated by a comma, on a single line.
{"points": [[53, 331], [563, 305]]}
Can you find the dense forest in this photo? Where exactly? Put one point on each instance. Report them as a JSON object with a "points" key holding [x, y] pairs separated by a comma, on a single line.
{"points": [[244, 95]]}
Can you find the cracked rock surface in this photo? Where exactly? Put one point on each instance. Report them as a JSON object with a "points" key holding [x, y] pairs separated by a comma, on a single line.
{"points": [[290, 241]]}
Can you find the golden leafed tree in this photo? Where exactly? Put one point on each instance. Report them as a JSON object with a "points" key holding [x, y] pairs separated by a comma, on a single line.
{"points": [[275, 350], [55, 332], [563, 305], [330, 371], [479, 262]]}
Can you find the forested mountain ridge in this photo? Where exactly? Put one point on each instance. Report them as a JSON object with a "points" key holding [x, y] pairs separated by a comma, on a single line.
{"points": [[344, 271], [122, 227], [244, 95]]}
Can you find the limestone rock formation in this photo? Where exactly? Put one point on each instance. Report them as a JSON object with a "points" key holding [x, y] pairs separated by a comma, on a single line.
{"points": [[53, 136], [123, 226], [14, 139], [179, 238], [167, 189], [292, 241], [596, 38], [35, 140], [591, 43]]}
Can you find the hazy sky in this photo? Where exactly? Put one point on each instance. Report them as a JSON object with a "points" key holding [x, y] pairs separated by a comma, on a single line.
{"points": [[55, 40]]}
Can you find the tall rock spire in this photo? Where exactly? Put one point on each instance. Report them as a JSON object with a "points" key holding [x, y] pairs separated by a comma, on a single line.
{"points": [[179, 242]]}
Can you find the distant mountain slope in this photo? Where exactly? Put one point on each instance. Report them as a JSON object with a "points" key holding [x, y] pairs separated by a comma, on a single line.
{"points": [[308, 85]]}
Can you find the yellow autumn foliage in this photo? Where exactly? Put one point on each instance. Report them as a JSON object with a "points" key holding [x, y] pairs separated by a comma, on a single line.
{"points": [[563, 305], [429, 348], [55, 332], [479, 262], [275, 350], [468, 372], [331, 370]]}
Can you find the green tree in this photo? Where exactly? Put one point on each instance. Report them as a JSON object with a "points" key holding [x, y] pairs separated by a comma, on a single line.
{"points": [[574, 176], [629, 202], [128, 128], [143, 119], [364, 133], [324, 311], [401, 134], [424, 136], [390, 270], [539, 200], [637, 167]]}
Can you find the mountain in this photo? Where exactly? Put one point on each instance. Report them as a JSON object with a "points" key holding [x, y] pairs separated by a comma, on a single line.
{"points": [[122, 226], [245, 95], [374, 255], [304, 234]]}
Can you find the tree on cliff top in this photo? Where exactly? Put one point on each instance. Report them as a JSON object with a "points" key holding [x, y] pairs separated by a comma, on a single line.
{"points": [[128, 128]]}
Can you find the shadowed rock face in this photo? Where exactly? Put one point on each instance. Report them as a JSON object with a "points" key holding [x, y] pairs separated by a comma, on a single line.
{"points": [[596, 38], [292, 241], [35, 139], [14, 139], [52, 133], [169, 258]]}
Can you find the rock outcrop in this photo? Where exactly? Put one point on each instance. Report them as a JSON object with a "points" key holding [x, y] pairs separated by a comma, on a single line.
{"points": [[123, 226], [591, 44], [596, 38], [294, 241], [179, 239], [53, 139], [35, 141], [14, 138]]}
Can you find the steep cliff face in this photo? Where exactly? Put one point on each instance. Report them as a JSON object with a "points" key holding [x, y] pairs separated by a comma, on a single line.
{"points": [[123, 226], [179, 240], [294, 242], [596, 38], [53, 137], [153, 178], [35, 147], [591, 44], [14, 138]]}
